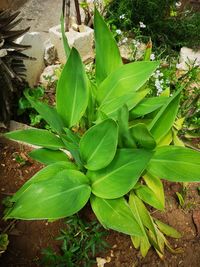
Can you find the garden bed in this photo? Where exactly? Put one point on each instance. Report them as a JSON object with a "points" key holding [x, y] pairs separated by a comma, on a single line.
{"points": [[29, 238]]}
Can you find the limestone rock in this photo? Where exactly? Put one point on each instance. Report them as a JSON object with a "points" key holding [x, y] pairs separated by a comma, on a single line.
{"points": [[82, 41], [188, 57], [34, 67]]}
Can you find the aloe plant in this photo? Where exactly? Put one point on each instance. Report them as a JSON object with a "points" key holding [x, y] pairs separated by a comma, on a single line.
{"points": [[11, 61], [120, 143]]}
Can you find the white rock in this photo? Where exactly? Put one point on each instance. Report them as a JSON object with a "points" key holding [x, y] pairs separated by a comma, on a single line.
{"points": [[48, 75], [34, 68], [49, 53], [188, 57], [3, 52], [82, 41]]}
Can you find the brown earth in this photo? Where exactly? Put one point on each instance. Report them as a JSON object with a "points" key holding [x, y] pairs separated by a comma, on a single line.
{"points": [[28, 238]]}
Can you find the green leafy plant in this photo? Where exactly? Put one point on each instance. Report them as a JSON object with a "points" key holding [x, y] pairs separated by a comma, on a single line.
{"points": [[120, 144], [25, 107], [12, 67], [168, 22], [81, 241], [3, 243]]}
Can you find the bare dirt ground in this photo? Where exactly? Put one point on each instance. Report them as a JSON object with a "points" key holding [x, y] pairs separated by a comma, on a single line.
{"points": [[28, 238]]}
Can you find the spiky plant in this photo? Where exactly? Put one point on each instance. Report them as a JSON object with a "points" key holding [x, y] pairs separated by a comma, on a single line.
{"points": [[12, 68]]}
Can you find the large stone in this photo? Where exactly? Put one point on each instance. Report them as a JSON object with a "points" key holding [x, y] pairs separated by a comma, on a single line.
{"points": [[34, 67], [82, 41], [188, 58]]}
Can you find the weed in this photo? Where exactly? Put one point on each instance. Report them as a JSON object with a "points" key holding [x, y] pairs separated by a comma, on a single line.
{"points": [[80, 243]]}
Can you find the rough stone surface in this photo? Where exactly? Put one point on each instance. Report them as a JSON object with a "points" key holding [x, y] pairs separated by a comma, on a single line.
{"points": [[82, 41], [49, 53], [188, 57], [48, 75], [34, 67]]}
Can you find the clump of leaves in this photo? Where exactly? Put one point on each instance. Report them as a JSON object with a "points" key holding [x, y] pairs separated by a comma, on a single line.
{"points": [[121, 144], [81, 241], [12, 67], [3, 243], [25, 107]]}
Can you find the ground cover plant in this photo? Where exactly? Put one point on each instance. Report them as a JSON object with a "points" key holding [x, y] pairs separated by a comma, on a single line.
{"points": [[169, 23], [121, 145], [81, 241]]}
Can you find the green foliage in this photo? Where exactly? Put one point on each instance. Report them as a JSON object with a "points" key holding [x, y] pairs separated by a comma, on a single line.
{"points": [[3, 242], [81, 241], [12, 68], [114, 155], [167, 24], [25, 106]]}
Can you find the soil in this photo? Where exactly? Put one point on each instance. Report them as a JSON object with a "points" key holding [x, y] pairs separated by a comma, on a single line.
{"points": [[28, 238]]}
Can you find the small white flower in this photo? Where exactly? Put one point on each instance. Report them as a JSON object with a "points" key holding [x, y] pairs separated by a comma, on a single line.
{"points": [[136, 43], [167, 81], [122, 16], [152, 57], [178, 4], [142, 25], [161, 81], [118, 31], [158, 85], [124, 40]]}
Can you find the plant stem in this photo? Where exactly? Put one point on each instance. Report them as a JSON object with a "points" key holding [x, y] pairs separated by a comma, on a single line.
{"points": [[78, 14]]}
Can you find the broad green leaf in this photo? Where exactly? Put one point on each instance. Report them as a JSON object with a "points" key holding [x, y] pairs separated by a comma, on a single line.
{"points": [[145, 217], [168, 230], [37, 137], [165, 118], [142, 136], [130, 99], [155, 184], [64, 38], [49, 114], [120, 176], [147, 106], [47, 156], [136, 240], [108, 57], [98, 145], [116, 215], [165, 93], [144, 241], [127, 79], [46, 173], [176, 164], [55, 198], [166, 139], [72, 90], [178, 124], [124, 140], [149, 197], [176, 140]]}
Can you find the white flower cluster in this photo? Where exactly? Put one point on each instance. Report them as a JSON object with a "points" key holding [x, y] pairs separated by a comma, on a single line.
{"points": [[152, 57], [119, 32], [122, 16], [158, 82], [142, 25]]}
